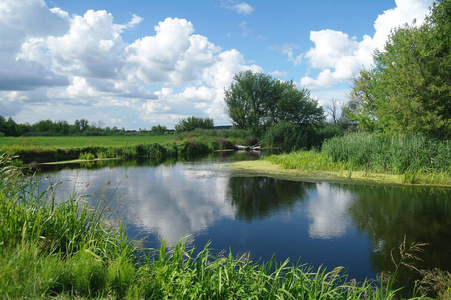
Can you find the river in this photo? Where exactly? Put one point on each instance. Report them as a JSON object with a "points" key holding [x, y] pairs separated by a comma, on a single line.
{"points": [[315, 223]]}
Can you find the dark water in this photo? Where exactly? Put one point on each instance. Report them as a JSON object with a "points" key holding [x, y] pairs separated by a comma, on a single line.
{"points": [[319, 223]]}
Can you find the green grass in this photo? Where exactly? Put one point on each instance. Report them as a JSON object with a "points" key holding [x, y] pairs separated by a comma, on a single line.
{"points": [[306, 161], [55, 149], [414, 159], [396, 154], [186, 144], [83, 141], [66, 249]]}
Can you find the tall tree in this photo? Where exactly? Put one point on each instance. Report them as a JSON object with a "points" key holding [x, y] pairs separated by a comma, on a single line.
{"points": [[248, 100], [81, 125], [256, 100], [409, 88]]}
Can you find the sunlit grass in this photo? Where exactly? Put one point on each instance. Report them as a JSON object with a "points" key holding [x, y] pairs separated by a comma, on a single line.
{"points": [[306, 161], [395, 154], [82, 141], [412, 160], [56, 149]]}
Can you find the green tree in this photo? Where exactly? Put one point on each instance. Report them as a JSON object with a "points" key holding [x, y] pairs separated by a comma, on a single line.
{"points": [[248, 100], [409, 88], [257, 100], [191, 123], [158, 130], [81, 125]]}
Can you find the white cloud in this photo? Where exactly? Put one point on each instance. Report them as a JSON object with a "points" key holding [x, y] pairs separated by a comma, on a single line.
{"points": [[242, 8], [278, 73], [20, 20], [152, 58], [288, 49], [91, 47], [51, 58], [340, 57], [330, 47], [245, 31]]}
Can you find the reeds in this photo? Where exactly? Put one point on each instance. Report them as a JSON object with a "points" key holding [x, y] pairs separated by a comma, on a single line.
{"points": [[397, 154]]}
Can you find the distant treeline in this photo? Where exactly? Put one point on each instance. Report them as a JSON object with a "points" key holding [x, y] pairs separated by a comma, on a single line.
{"points": [[8, 127]]}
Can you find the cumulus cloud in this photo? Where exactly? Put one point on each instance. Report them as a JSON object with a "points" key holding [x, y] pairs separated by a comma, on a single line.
{"points": [[242, 8], [91, 47], [339, 57], [82, 60], [20, 20], [205, 99]]}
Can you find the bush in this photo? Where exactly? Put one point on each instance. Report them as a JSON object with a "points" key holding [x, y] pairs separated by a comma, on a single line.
{"points": [[285, 136]]}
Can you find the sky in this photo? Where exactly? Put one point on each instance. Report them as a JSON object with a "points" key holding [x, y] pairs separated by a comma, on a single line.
{"points": [[140, 63]]}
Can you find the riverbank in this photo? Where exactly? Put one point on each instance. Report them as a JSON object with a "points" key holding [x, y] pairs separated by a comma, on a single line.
{"points": [[61, 149], [366, 158], [268, 168], [313, 166], [36, 150]]}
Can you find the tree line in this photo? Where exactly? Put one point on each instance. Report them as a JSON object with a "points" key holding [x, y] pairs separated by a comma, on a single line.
{"points": [[8, 127]]}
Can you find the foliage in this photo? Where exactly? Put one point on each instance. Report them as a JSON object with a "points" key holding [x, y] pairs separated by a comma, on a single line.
{"points": [[159, 130], [413, 159], [63, 128], [284, 136], [257, 100], [436, 283], [409, 87], [191, 123]]}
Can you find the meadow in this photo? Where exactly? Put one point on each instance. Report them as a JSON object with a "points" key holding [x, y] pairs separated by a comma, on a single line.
{"points": [[31, 150], [82, 141]]}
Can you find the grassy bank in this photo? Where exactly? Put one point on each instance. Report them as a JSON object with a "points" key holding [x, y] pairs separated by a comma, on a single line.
{"points": [[54, 249], [395, 159], [56, 149]]}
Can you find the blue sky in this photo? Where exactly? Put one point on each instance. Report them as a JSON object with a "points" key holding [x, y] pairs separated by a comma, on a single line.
{"points": [[138, 63]]}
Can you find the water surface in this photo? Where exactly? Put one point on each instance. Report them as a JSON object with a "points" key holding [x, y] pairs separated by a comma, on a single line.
{"points": [[319, 223]]}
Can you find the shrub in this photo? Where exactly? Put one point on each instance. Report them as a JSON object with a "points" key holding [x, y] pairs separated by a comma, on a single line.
{"points": [[285, 136], [191, 123]]}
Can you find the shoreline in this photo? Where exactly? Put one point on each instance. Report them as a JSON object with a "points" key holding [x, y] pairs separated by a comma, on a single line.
{"points": [[266, 168]]}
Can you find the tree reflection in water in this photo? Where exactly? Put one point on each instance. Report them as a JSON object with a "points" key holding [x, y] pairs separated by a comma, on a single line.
{"points": [[387, 214], [259, 197]]}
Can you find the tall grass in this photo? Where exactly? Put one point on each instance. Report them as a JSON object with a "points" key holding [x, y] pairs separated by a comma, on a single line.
{"points": [[305, 160], [54, 249], [395, 154], [415, 159]]}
